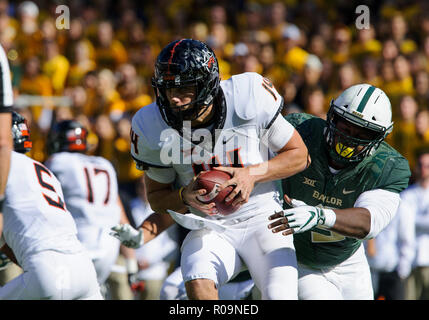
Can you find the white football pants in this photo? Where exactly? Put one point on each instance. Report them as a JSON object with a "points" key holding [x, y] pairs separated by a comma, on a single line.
{"points": [[350, 280], [56, 276], [173, 288], [102, 248], [219, 256]]}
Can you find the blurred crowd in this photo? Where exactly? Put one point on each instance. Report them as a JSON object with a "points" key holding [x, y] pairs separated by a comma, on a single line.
{"points": [[101, 66], [310, 50]]}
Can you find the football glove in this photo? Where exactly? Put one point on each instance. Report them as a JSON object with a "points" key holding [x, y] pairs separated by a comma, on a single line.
{"points": [[297, 203], [303, 218], [128, 236]]}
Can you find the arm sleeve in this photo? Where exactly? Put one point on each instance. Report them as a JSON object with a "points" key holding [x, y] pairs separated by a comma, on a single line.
{"points": [[279, 133], [382, 205], [161, 175]]}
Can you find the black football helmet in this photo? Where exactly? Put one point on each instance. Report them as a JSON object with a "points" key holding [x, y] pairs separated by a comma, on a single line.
{"points": [[184, 63], [67, 135], [20, 133]]}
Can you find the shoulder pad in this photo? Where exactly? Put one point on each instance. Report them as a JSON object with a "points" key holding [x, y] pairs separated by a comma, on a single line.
{"points": [[392, 168], [252, 96]]}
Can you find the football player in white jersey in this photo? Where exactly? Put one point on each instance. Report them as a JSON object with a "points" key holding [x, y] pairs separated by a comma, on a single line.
{"points": [[200, 123], [6, 103], [90, 190], [40, 234]]}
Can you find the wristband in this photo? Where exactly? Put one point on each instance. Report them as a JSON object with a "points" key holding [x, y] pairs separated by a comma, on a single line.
{"points": [[131, 266], [328, 217], [181, 196]]}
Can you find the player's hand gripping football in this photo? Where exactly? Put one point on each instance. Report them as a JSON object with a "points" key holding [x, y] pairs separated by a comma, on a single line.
{"points": [[128, 236], [300, 218], [189, 197], [243, 183]]}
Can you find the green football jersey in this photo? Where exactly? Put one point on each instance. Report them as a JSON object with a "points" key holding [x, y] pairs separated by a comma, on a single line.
{"points": [[386, 169]]}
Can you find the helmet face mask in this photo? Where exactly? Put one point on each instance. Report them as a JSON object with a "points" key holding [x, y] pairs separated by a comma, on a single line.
{"points": [[20, 133], [346, 149], [358, 121], [186, 63], [68, 136]]}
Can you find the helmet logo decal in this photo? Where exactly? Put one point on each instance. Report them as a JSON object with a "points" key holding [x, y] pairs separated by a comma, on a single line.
{"points": [[365, 99], [172, 54], [210, 63]]}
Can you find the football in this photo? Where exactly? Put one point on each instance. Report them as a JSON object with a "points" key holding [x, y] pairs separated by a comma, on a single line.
{"points": [[210, 181]]}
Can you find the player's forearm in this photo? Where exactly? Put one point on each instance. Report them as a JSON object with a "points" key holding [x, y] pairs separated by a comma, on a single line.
{"points": [[5, 149], [283, 165], [128, 253], [4, 167], [161, 200], [155, 224], [352, 222]]}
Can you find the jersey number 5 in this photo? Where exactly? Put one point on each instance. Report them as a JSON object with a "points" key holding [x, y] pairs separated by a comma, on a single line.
{"points": [[39, 170]]}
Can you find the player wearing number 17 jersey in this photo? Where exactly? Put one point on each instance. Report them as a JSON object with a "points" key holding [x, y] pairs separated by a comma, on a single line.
{"points": [[40, 233], [200, 123], [90, 190]]}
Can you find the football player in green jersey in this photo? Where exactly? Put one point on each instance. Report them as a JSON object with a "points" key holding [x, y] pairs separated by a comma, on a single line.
{"points": [[349, 193]]}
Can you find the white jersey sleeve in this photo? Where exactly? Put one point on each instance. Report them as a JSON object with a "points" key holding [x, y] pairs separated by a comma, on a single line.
{"points": [[254, 97], [279, 134], [149, 133], [255, 100], [164, 175], [146, 136], [382, 206]]}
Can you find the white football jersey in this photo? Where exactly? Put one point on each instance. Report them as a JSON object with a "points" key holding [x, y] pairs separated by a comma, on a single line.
{"points": [[90, 188], [35, 217], [252, 105]]}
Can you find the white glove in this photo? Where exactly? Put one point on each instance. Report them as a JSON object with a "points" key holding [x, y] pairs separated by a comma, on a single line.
{"points": [[304, 218], [128, 236], [293, 202], [297, 203]]}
